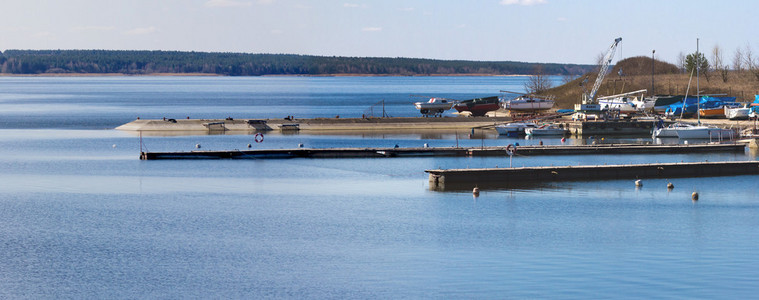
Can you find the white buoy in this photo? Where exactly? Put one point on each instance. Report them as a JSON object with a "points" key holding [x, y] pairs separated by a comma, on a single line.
{"points": [[249, 145], [638, 183], [300, 145], [426, 145], [476, 191], [114, 146], [197, 146], [670, 186], [694, 196]]}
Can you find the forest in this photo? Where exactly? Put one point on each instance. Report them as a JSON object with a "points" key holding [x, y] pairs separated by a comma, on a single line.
{"points": [[246, 64]]}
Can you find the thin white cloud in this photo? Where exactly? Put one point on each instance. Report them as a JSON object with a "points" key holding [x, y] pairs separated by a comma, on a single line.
{"points": [[523, 2], [371, 29], [140, 31], [42, 35], [92, 28], [350, 5], [12, 28], [232, 3]]}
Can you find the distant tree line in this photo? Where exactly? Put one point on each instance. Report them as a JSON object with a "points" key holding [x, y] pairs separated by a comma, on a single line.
{"points": [[244, 64]]}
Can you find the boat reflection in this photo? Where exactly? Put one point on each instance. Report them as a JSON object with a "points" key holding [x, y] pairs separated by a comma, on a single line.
{"points": [[491, 186]]}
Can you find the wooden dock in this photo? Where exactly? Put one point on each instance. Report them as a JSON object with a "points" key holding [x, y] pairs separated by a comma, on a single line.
{"points": [[466, 179], [443, 151]]}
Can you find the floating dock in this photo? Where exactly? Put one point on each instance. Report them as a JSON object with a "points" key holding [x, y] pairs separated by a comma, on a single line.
{"points": [[443, 151], [466, 179]]}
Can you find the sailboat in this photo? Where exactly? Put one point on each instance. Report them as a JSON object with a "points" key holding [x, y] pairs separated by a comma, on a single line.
{"points": [[690, 131]]}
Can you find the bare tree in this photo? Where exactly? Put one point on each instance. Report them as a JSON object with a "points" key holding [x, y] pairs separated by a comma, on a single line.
{"points": [[738, 60], [719, 66], [751, 62], [567, 78], [538, 82]]}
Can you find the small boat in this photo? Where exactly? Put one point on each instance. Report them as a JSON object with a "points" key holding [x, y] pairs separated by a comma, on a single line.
{"points": [[671, 130], [737, 113], [693, 131], [714, 112], [514, 129], [546, 130], [434, 106], [627, 103], [706, 132], [528, 102], [478, 106]]}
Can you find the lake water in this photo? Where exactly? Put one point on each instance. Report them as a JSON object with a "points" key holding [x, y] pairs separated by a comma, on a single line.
{"points": [[82, 217]]}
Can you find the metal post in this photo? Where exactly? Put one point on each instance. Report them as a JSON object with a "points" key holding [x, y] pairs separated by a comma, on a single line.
{"points": [[653, 62]]}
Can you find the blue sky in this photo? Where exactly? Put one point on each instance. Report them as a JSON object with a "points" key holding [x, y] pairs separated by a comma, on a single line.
{"points": [[562, 31]]}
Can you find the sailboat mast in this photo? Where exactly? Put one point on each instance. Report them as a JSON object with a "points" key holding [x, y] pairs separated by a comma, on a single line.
{"points": [[698, 95]]}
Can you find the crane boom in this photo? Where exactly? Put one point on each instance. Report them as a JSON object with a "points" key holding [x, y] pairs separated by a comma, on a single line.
{"points": [[591, 97]]}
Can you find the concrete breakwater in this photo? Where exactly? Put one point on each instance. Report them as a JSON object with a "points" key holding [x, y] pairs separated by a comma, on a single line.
{"points": [[461, 123], [466, 179], [441, 151]]}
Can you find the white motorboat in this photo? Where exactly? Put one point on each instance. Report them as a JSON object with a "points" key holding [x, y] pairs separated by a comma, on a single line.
{"points": [[627, 102], [514, 129], [705, 132], [693, 131], [546, 130], [737, 113], [527, 102], [434, 106], [671, 130]]}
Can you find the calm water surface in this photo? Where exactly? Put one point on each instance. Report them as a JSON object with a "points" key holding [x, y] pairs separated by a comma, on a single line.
{"points": [[82, 217]]}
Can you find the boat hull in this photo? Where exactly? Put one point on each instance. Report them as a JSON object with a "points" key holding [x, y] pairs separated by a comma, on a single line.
{"points": [[527, 105], [477, 109], [712, 112], [422, 105], [545, 131], [513, 129], [737, 113], [703, 132], [479, 106]]}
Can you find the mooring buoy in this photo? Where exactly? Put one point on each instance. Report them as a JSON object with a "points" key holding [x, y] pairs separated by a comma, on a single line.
{"points": [[249, 145], [197, 146], [694, 196], [476, 191], [670, 186], [114, 146], [638, 183]]}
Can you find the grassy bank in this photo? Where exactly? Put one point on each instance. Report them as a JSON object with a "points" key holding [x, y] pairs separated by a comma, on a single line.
{"points": [[668, 80]]}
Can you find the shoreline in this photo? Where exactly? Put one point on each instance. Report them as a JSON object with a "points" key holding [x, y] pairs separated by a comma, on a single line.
{"points": [[266, 75]]}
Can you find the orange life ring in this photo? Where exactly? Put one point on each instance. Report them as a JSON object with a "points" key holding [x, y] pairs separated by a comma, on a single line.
{"points": [[511, 149], [259, 137]]}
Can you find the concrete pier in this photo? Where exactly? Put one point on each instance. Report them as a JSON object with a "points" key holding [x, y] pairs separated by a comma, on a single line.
{"points": [[337, 124], [442, 151], [463, 179], [621, 127]]}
